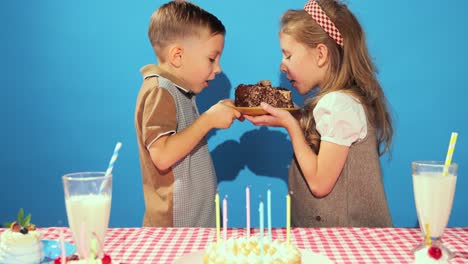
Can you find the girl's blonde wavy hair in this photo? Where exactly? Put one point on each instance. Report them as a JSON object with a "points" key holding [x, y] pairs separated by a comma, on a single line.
{"points": [[351, 69]]}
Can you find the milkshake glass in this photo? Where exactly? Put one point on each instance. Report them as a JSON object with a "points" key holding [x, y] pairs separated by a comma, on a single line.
{"points": [[88, 198], [433, 195]]}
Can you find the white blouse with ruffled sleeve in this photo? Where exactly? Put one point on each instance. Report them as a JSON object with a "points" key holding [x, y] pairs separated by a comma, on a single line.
{"points": [[340, 119]]}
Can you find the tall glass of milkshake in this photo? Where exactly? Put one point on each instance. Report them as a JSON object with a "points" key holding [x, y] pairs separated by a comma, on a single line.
{"points": [[88, 198], [434, 188]]}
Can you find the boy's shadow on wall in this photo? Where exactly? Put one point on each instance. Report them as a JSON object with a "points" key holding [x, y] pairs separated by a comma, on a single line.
{"points": [[263, 151]]}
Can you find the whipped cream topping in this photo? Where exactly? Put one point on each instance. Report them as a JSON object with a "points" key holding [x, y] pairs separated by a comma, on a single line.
{"points": [[248, 250], [16, 247]]}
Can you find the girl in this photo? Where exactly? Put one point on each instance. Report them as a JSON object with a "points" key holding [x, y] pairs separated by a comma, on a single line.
{"points": [[335, 177]]}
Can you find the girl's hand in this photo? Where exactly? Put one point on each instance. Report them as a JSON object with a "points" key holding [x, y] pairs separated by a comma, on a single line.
{"points": [[276, 118]]}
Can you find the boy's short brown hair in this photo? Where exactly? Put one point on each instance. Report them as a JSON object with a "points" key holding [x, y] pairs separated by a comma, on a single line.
{"points": [[179, 19]]}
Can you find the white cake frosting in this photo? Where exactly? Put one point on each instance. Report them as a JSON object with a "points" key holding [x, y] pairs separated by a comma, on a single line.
{"points": [[422, 257], [16, 247], [243, 250]]}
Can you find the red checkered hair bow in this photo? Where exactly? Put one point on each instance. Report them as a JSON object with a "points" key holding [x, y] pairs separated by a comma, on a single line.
{"points": [[323, 20]]}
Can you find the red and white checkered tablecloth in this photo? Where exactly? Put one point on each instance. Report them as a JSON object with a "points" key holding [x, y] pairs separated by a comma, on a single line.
{"points": [[342, 245]]}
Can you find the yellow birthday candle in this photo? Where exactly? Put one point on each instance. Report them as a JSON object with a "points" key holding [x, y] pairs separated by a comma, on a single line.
{"points": [[218, 221]]}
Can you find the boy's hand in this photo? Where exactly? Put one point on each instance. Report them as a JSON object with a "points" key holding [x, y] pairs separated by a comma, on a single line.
{"points": [[222, 115], [230, 102]]}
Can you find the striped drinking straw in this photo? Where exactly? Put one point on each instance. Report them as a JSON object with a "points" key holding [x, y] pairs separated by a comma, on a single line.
{"points": [[114, 158], [451, 148], [111, 165]]}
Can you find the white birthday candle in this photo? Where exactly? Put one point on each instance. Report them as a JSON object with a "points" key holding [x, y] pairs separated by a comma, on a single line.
{"points": [[260, 210], [63, 254], [218, 222], [247, 208], [225, 218], [269, 213]]}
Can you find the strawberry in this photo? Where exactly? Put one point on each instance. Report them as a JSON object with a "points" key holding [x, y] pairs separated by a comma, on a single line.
{"points": [[73, 257], [435, 252], [58, 260], [15, 227], [106, 259]]}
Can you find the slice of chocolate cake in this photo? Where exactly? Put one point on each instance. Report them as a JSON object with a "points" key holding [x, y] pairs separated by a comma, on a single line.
{"points": [[253, 95]]}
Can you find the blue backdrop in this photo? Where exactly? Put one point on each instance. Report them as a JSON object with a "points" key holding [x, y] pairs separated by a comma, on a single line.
{"points": [[70, 76]]}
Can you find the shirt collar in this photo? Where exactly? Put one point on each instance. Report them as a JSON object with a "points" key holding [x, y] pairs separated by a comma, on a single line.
{"points": [[152, 69]]}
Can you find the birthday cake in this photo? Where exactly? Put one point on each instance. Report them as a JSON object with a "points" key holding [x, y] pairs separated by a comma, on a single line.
{"points": [[21, 243], [249, 250], [429, 255], [253, 95]]}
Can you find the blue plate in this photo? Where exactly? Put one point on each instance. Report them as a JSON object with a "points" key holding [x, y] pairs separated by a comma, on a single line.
{"points": [[51, 249]]}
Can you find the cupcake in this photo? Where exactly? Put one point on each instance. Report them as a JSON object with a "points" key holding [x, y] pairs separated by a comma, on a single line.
{"points": [[21, 243]]}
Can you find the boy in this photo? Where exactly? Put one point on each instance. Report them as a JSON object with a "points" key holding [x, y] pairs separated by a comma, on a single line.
{"points": [[179, 180]]}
